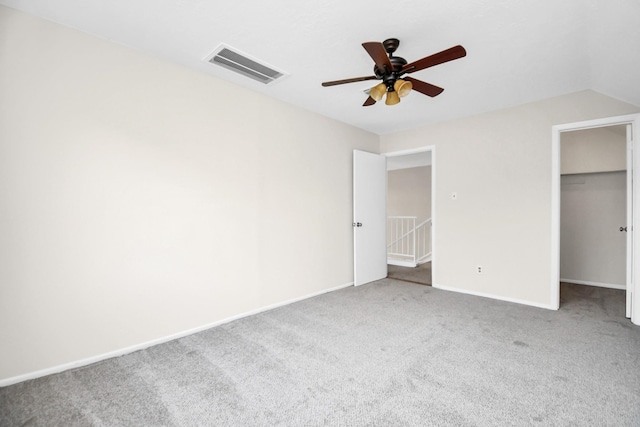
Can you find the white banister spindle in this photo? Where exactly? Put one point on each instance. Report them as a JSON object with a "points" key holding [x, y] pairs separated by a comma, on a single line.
{"points": [[408, 244], [413, 238]]}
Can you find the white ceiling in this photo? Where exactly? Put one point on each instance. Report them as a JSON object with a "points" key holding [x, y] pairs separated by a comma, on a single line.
{"points": [[517, 51]]}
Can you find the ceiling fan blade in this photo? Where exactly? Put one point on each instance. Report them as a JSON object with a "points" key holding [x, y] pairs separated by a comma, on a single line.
{"points": [[424, 87], [353, 80], [435, 59], [369, 101], [378, 53]]}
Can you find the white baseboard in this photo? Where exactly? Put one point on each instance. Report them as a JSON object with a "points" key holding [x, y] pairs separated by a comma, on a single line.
{"points": [[492, 296], [401, 263], [121, 352], [598, 284]]}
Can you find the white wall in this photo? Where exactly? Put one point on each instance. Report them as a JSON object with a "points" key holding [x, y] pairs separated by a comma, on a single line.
{"points": [[409, 192], [499, 164], [141, 199], [592, 248]]}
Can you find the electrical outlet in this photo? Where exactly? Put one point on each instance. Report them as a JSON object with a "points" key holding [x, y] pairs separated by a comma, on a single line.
{"points": [[479, 269]]}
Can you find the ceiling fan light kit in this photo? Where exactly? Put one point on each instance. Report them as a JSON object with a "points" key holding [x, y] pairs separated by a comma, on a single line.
{"points": [[378, 91], [391, 69], [403, 87], [392, 98]]}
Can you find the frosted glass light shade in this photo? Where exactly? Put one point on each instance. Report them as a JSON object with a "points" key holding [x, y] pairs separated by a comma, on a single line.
{"points": [[392, 98], [378, 91], [403, 87]]}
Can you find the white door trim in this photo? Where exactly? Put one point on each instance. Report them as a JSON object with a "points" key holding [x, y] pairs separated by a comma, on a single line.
{"points": [[634, 121], [423, 149], [630, 220]]}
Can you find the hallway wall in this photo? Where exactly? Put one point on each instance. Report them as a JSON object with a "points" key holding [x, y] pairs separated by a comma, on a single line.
{"points": [[409, 192]]}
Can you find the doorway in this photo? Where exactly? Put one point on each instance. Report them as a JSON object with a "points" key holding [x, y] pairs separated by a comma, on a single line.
{"points": [[593, 216], [410, 196], [630, 124]]}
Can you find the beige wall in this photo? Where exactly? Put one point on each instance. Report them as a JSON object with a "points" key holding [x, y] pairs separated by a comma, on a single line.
{"points": [[592, 248], [409, 192], [499, 164], [126, 184], [594, 150]]}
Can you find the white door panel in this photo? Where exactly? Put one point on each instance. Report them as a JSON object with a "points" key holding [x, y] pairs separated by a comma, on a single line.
{"points": [[369, 217]]}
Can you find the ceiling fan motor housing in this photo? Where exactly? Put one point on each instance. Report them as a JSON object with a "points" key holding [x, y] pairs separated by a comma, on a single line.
{"points": [[389, 77]]}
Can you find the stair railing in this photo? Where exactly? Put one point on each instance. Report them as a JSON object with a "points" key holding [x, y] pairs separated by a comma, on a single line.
{"points": [[408, 244]]}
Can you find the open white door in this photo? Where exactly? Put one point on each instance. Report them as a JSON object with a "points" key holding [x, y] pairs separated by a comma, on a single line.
{"points": [[369, 217]]}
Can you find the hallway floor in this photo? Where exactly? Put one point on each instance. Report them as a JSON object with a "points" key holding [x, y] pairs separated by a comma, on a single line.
{"points": [[420, 274]]}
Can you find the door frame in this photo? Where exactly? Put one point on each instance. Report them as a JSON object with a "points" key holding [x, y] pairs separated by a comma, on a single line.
{"points": [[632, 120], [432, 149]]}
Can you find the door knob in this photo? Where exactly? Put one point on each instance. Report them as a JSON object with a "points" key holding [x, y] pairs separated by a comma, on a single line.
{"points": [[357, 224], [623, 228]]}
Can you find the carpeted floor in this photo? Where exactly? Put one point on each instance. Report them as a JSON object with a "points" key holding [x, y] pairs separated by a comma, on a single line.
{"points": [[420, 274], [389, 353]]}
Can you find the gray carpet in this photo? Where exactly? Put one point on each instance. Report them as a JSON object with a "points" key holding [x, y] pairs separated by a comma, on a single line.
{"points": [[385, 354]]}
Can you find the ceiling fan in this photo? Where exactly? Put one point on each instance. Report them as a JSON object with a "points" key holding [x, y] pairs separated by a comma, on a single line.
{"points": [[391, 69]]}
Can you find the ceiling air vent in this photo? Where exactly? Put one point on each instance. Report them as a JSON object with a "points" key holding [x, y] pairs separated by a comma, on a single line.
{"points": [[241, 63]]}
